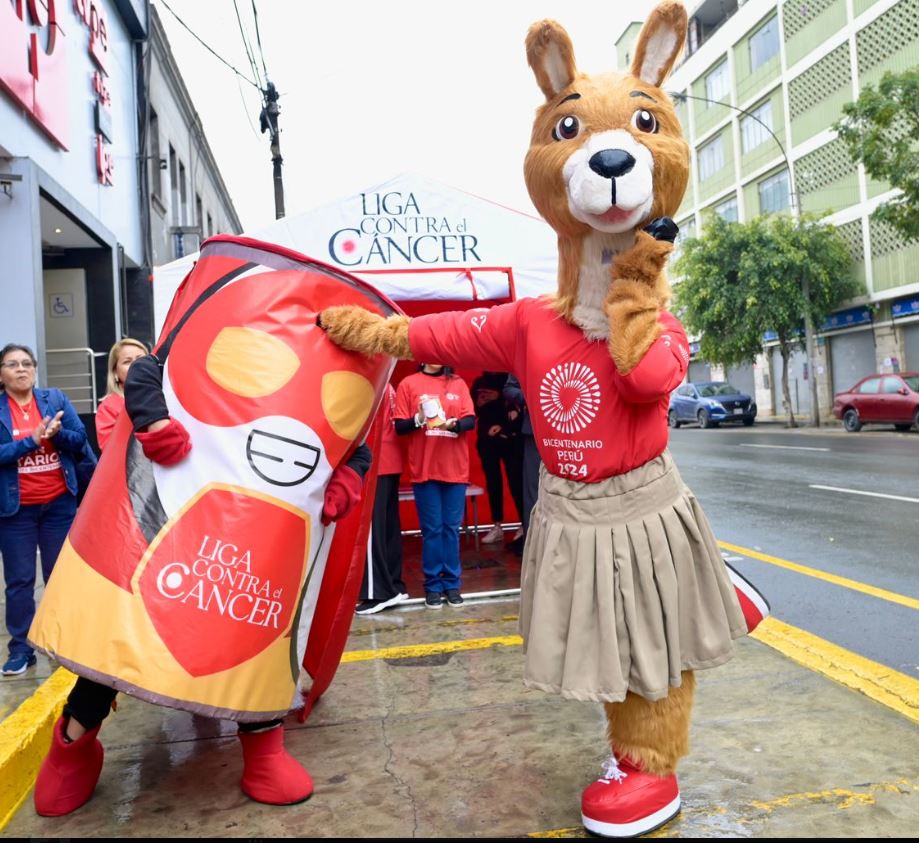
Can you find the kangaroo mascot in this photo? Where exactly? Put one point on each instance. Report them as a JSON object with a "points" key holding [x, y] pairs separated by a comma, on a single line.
{"points": [[624, 593]]}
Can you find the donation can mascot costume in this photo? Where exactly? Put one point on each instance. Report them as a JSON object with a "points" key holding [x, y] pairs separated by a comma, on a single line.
{"points": [[624, 592], [205, 564]]}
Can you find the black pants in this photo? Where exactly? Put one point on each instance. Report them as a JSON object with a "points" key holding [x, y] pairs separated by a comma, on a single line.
{"points": [[531, 463], [89, 704], [493, 450], [383, 570]]}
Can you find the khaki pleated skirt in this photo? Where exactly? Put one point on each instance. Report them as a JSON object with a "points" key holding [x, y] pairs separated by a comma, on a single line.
{"points": [[623, 587]]}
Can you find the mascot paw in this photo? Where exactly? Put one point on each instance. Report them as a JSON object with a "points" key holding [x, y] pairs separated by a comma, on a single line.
{"points": [[356, 329], [645, 261], [633, 309]]}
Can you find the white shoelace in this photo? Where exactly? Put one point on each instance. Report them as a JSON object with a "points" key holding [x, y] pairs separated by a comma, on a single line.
{"points": [[611, 771]]}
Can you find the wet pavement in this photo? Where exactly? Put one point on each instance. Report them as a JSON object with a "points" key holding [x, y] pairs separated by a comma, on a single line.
{"points": [[443, 744]]}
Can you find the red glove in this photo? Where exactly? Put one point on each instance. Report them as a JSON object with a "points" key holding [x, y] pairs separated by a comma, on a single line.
{"points": [[342, 493], [168, 445]]}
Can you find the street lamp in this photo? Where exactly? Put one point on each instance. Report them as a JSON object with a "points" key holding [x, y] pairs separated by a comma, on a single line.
{"points": [[796, 213]]}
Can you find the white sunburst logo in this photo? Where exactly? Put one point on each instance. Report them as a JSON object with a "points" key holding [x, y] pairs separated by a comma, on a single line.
{"points": [[569, 396]]}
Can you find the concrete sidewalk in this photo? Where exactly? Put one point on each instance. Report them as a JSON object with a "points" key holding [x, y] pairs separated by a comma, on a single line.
{"points": [[439, 739]]}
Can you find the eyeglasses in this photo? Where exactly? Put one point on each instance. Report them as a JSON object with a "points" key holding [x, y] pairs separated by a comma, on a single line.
{"points": [[16, 364]]}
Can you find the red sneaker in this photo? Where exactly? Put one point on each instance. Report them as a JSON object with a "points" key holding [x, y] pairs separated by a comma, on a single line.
{"points": [[754, 605], [627, 802], [69, 773], [270, 773]]}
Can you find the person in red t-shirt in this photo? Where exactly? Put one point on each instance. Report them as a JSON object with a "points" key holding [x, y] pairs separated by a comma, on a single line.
{"points": [[41, 437], [383, 586], [434, 409], [122, 354]]}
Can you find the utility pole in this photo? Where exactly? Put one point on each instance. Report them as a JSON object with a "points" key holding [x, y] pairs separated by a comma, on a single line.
{"points": [[268, 120]]}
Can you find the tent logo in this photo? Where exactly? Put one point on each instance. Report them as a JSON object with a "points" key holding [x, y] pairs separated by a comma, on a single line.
{"points": [[569, 397], [392, 229]]}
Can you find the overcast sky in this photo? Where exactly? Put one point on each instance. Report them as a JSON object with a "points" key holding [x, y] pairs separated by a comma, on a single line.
{"points": [[373, 89]]}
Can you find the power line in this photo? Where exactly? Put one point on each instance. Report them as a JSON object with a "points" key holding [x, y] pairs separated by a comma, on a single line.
{"points": [[252, 65], [258, 38], [209, 48]]}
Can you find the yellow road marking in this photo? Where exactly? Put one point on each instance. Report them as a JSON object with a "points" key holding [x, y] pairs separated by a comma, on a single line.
{"points": [[24, 740], [414, 651], [841, 798], [881, 683], [845, 582]]}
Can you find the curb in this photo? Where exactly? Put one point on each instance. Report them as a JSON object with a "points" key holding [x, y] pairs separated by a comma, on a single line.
{"points": [[24, 740]]}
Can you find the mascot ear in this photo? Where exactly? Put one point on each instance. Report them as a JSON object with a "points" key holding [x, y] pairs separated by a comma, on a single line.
{"points": [[660, 42], [550, 54]]}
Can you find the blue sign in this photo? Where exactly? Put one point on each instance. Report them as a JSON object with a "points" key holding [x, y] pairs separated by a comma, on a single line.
{"points": [[847, 319], [772, 336], [694, 347], [905, 307]]}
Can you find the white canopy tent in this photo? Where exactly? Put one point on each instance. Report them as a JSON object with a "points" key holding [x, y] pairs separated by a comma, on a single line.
{"points": [[415, 240]]}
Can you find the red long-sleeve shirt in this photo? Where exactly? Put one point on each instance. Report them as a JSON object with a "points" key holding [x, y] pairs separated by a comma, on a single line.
{"points": [[589, 422]]}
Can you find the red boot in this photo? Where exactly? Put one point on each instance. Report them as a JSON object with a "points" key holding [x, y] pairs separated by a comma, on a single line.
{"points": [[69, 773], [270, 773], [627, 802]]}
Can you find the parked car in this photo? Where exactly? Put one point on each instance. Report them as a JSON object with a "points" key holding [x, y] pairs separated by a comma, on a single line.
{"points": [[880, 399], [710, 403]]}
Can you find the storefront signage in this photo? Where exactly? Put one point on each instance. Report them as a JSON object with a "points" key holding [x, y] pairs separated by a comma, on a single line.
{"points": [[92, 15], [395, 230], [33, 63], [847, 319], [905, 307], [93, 18]]}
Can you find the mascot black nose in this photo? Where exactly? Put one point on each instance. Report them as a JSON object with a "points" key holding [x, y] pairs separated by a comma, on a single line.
{"points": [[611, 163]]}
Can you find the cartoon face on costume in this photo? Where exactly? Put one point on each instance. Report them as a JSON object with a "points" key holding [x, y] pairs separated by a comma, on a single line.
{"points": [[606, 151], [238, 372]]}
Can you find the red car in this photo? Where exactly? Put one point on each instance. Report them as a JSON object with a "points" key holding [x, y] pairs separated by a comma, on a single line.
{"points": [[887, 399]]}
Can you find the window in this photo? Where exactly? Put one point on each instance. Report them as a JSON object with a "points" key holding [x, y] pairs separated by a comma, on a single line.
{"points": [[156, 186], [711, 158], [174, 184], [891, 386], [764, 43], [752, 130], [199, 213], [773, 193], [727, 210], [183, 195], [870, 387], [717, 83], [686, 391], [687, 231], [210, 225]]}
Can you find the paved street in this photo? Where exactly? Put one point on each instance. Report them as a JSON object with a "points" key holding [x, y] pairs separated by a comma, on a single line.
{"points": [[756, 485]]}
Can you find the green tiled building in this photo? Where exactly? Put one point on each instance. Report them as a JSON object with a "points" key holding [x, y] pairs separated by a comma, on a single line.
{"points": [[761, 73]]}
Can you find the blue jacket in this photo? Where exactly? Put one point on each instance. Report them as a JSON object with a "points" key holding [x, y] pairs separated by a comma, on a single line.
{"points": [[69, 441]]}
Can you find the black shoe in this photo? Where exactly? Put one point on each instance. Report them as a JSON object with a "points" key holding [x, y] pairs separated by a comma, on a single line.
{"points": [[516, 546], [454, 598], [433, 599], [371, 607]]}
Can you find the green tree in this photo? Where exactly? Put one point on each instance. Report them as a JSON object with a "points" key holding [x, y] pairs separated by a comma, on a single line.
{"points": [[739, 280], [880, 130]]}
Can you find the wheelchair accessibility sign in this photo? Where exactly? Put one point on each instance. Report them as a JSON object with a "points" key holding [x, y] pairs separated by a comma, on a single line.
{"points": [[60, 305]]}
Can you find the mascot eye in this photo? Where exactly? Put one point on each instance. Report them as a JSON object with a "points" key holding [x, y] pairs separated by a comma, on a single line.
{"points": [[644, 121], [567, 128]]}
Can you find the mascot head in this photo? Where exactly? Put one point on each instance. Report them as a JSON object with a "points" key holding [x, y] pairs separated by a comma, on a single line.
{"points": [[607, 152]]}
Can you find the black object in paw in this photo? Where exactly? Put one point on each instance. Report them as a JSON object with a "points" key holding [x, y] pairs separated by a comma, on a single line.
{"points": [[663, 228]]}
